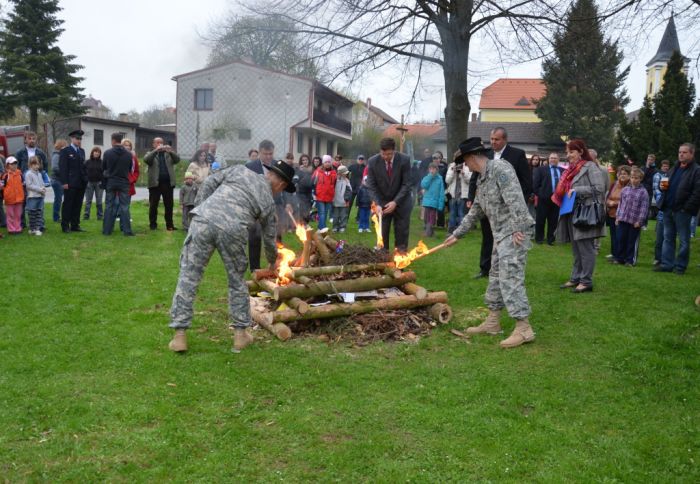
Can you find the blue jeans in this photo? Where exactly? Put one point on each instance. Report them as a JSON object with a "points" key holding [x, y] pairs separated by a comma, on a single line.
{"points": [[57, 199], [676, 223], [658, 246], [364, 213], [457, 207], [324, 209], [111, 212]]}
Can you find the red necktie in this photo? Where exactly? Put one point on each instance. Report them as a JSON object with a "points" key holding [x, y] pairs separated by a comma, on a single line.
{"points": [[388, 169]]}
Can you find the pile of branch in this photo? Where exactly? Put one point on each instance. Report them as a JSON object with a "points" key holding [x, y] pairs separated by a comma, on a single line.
{"points": [[363, 329], [387, 316]]}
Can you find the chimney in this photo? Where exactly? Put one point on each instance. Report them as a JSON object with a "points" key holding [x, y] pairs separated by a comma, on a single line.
{"points": [[369, 102], [473, 117], [124, 117]]}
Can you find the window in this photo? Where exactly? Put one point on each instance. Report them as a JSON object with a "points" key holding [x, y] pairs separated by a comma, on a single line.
{"points": [[203, 99], [330, 146], [318, 146], [331, 110], [244, 134], [300, 141], [98, 137]]}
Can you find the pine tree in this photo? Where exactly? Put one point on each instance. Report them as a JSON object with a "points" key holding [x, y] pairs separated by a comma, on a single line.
{"points": [[34, 72], [673, 107], [637, 138], [585, 95]]}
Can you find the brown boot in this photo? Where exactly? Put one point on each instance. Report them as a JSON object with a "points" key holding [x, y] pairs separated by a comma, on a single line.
{"points": [[522, 333], [490, 326], [179, 342], [241, 339]]}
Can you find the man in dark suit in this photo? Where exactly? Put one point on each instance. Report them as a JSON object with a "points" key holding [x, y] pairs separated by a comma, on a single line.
{"points": [[389, 185], [73, 176], [544, 182], [500, 149]]}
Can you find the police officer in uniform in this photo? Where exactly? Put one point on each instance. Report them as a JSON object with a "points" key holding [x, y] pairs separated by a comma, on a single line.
{"points": [[73, 177], [229, 202], [500, 198]]}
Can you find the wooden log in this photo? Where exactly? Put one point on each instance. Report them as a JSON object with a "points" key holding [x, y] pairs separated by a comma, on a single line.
{"points": [[330, 242], [300, 305], [280, 330], [441, 313], [266, 273], [361, 307], [310, 288], [306, 252], [253, 286], [322, 249], [292, 302], [393, 272], [268, 285], [326, 270], [415, 290]]}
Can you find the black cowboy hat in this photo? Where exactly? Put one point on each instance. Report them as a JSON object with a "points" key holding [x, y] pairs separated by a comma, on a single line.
{"points": [[470, 146], [285, 172]]}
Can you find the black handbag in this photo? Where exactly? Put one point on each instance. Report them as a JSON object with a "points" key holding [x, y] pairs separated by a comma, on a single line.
{"points": [[588, 216]]}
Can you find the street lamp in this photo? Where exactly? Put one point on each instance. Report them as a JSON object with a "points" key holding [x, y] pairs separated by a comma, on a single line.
{"points": [[286, 128]]}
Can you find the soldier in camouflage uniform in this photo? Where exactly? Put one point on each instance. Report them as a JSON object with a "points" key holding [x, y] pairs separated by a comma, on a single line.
{"points": [[500, 198], [228, 202]]}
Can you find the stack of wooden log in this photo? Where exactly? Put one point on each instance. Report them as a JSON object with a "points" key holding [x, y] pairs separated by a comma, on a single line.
{"points": [[295, 301]]}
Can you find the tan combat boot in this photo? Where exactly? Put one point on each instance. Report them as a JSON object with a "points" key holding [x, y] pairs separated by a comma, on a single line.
{"points": [[490, 326], [241, 339], [522, 333], [179, 342]]}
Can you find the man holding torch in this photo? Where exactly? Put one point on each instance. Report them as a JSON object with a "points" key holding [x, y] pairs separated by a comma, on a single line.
{"points": [[389, 185], [499, 197]]}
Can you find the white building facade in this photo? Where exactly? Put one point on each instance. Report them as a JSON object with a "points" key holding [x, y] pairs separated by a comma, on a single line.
{"points": [[236, 105]]}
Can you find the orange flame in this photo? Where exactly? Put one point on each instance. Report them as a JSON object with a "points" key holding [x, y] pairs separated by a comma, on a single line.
{"points": [[404, 260], [377, 222], [284, 270], [301, 232]]}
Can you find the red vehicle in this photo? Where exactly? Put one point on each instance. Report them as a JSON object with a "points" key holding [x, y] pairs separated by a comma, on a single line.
{"points": [[11, 139]]}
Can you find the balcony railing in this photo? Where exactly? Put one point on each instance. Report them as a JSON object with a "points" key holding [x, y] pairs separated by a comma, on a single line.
{"points": [[332, 121]]}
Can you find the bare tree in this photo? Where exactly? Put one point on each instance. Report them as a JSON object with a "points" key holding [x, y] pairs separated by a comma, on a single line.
{"points": [[636, 19], [237, 37], [403, 38]]}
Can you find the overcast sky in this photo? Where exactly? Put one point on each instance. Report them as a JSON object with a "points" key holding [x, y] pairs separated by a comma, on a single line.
{"points": [[131, 49]]}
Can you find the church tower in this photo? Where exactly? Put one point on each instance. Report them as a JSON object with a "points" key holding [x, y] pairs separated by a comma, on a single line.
{"points": [[656, 67]]}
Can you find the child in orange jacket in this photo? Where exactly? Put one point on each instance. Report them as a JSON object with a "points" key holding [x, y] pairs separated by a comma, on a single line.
{"points": [[12, 183]]}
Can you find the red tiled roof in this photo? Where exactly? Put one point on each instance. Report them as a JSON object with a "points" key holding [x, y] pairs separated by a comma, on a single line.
{"points": [[512, 94], [420, 130]]}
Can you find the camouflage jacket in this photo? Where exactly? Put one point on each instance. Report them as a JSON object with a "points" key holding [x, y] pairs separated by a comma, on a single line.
{"points": [[233, 199], [499, 198]]}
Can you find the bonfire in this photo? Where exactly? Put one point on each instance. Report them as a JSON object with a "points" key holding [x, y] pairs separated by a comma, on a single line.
{"points": [[333, 285]]}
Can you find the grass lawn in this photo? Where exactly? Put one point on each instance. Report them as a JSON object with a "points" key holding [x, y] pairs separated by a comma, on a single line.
{"points": [[89, 391]]}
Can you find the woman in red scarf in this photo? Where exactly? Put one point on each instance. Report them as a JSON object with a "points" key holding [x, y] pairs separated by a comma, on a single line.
{"points": [[585, 178]]}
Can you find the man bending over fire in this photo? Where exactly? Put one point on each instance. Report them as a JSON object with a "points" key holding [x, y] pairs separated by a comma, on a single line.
{"points": [[229, 202]]}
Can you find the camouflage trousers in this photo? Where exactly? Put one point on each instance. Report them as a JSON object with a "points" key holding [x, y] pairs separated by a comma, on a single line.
{"points": [[202, 239], [506, 287]]}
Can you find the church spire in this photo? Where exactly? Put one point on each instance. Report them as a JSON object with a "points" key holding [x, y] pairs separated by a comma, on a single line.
{"points": [[669, 43]]}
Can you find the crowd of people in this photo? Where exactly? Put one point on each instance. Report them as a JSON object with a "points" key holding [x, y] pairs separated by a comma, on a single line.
{"points": [[514, 200]]}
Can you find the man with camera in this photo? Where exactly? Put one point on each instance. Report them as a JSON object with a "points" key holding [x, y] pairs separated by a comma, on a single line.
{"points": [[161, 182]]}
